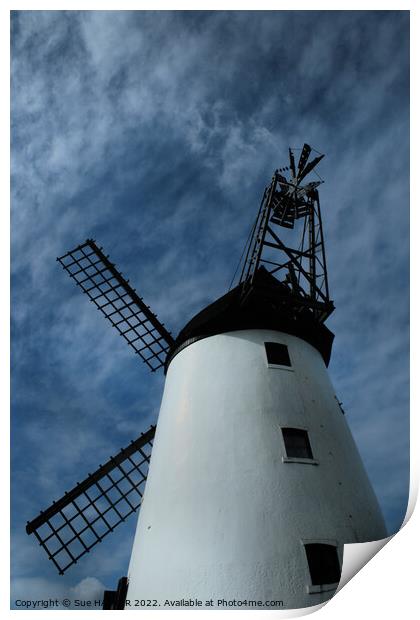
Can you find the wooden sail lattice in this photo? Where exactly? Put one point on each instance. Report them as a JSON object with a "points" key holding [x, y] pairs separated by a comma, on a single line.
{"points": [[71, 526], [112, 294]]}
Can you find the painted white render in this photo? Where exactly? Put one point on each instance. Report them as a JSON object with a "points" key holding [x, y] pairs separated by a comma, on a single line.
{"points": [[224, 514]]}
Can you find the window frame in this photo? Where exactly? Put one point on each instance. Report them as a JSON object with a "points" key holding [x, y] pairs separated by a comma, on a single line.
{"points": [[272, 364], [297, 459], [312, 588]]}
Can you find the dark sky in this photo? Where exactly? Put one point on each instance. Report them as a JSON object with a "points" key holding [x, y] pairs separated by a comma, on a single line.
{"points": [[155, 133]]}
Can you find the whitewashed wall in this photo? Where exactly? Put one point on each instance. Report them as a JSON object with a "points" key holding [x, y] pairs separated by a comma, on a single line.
{"points": [[223, 516]]}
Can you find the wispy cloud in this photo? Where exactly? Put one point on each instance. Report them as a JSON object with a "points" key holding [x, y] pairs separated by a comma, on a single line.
{"points": [[156, 133]]}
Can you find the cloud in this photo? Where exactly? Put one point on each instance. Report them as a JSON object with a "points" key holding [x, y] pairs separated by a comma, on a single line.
{"points": [[39, 594], [155, 133]]}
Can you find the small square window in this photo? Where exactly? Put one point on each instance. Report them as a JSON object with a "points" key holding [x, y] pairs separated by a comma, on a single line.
{"points": [[323, 563], [277, 354], [297, 444]]}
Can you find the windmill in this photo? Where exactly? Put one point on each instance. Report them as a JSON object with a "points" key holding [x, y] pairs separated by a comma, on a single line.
{"points": [[255, 482]]}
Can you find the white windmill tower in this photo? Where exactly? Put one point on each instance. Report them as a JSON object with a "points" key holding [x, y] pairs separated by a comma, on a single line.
{"points": [[255, 482]]}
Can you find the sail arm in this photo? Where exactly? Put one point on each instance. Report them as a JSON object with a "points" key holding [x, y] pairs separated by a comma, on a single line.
{"points": [[71, 526]]}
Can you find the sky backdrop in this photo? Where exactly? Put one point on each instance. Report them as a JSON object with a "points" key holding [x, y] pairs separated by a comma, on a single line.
{"points": [[155, 133]]}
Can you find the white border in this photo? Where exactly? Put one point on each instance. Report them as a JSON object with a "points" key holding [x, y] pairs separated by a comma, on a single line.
{"points": [[387, 585]]}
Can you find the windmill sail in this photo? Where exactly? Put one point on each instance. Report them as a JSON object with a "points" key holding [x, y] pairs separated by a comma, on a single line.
{"points": [[309, 167], [306, 151], [292, 163], [92, 271], [71, 526]]}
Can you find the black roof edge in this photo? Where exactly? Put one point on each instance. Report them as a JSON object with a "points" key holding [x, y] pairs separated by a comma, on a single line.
{"points": [[267, 305]]}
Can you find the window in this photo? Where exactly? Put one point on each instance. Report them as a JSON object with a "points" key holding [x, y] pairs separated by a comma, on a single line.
{"points": [[297, 444], [277, 354], [323, 563]]}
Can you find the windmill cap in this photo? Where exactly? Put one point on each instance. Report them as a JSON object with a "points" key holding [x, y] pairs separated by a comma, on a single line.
{"points": [[267, 305]]}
